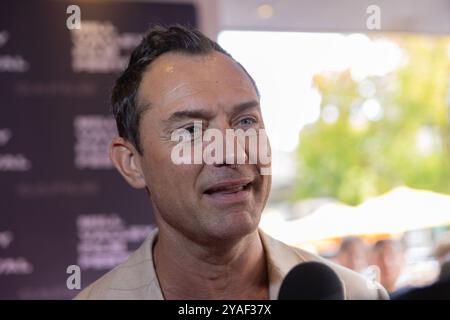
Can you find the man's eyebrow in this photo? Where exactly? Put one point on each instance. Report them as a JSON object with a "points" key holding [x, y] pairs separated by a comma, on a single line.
{"points": [[241, 107], [205, 114], [189, 114]]}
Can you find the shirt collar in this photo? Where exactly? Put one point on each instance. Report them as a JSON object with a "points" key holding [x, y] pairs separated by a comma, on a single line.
{"points": [[141, 266]]}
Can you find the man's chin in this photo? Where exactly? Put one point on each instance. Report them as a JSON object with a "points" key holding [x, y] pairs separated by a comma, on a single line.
{"points": [[234, 226]]}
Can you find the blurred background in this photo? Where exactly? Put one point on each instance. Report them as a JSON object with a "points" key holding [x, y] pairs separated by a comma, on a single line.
{"points": [[356, 100]]}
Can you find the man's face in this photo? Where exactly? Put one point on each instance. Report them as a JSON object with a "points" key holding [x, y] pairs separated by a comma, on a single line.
{"points": [[205, 202], [355, 257], [390, 260]]}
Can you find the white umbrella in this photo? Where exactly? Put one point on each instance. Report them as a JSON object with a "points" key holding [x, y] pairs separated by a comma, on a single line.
{"points": [[330, 220], [402, 209], [397, 211]]}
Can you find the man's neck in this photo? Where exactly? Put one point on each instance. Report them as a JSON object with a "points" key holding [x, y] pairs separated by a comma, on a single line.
{"points": [[187, 270]]}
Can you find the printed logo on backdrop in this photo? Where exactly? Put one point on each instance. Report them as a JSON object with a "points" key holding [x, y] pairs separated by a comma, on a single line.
{"points": [[12, 265], [93, 133], [104, 238], [98, 47], [57, 188], [13, 61], [51, 88], [11, 162]]}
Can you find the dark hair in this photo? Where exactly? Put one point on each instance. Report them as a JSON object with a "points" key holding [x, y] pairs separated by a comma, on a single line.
{"points": [[444, 274], [157, 41]]}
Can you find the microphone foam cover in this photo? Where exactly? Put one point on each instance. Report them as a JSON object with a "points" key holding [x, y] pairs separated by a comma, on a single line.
{"points": [[311, 281]]}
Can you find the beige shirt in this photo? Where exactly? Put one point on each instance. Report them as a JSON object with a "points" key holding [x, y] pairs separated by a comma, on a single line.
{"points": [[136, 277]]}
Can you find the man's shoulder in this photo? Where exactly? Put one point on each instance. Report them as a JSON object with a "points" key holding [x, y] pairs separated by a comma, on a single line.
{"points": [[132, 279], [356, 286], [99, 289]]}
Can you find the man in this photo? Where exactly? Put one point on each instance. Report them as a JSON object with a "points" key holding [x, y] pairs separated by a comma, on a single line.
{"points": [[353, 254], [388, 255], [207, 244], [438, 290], [442, 254]]}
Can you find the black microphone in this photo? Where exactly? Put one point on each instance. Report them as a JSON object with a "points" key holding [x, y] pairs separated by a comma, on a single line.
{"points": [[311, 281]]}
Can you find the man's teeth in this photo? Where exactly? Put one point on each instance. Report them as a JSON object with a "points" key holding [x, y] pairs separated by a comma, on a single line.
{"points": [[230, 189]]}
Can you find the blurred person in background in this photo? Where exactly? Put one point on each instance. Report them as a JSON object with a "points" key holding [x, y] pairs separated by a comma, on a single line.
{"points": [[440, 289], [444, 273], [353, 254], [388, 255], [442, 254]]}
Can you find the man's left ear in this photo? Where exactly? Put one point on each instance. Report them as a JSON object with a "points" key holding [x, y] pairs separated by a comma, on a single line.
{"points": [[126, 160]]}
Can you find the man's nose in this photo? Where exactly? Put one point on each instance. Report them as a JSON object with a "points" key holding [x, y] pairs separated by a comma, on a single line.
{"points": [[233, 152]]}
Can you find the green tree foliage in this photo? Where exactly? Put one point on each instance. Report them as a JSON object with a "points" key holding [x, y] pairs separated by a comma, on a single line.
{"points": [[353, 157]]}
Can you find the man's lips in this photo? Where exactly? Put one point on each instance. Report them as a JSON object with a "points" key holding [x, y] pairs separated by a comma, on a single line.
{"points": [[229, 186], [229, 192]]}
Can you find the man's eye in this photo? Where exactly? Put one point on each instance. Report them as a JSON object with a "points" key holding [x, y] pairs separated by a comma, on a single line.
{"points": [[247, 121], [194, 130], [190, 129]]}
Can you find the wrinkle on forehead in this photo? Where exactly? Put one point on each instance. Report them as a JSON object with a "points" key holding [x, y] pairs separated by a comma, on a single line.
{"points": [[196, 88], [183, 76]]}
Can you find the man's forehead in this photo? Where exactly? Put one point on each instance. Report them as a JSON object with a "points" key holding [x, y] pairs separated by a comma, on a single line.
{"points": [[175, 76]]}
